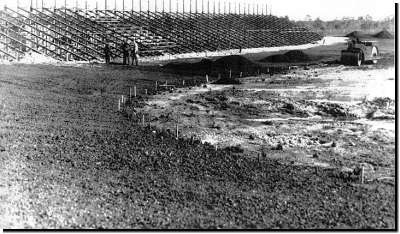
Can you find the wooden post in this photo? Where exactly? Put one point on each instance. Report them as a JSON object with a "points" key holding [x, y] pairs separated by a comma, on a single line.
{"points": [[134, 91], [183, 82], [266, 9], [143, 119], [224, 7], [177, 131], [119, 104], [206, 78], [156, 85], [241, 74], [145, 91], [214, 8], [362, 174], [230, 74], [130, 93]]}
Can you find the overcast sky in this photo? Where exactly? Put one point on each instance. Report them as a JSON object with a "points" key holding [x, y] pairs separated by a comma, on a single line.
{"points": [[295, 9]]}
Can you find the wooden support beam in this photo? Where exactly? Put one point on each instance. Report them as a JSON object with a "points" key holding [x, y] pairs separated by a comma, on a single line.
{"points": [[32, 41], [39, 37], [54, 31], [12, 47], [19, 42], [66, 25], [4, 52]]}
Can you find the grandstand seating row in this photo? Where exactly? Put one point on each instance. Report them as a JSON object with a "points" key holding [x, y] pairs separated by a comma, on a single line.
{"points": [[82, 34]]}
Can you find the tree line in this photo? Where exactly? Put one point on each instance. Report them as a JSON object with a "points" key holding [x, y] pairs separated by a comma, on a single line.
{"points": [[348, 24]]}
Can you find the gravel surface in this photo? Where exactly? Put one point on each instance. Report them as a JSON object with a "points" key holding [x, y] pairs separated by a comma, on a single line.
{"points": [[70, 160]]}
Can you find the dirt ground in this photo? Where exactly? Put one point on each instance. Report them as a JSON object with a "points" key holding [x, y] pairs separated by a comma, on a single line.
{"points": [[281, 151], [329, 116]]}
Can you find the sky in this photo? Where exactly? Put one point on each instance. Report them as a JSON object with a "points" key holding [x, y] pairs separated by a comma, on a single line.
{"points": [[294, 9]]}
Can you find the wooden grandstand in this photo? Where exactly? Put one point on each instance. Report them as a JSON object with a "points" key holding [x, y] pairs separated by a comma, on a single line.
{"points": [[80, 34]]}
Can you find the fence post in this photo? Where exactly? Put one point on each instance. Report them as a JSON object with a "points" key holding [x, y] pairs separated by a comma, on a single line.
{"points": [[119, 104], [177, 131], [362, 174]]}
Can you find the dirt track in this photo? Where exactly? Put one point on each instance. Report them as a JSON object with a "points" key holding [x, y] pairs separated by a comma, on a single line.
{"points": [[72, 161]]}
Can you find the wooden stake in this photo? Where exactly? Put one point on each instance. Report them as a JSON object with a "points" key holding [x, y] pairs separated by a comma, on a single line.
{"points": [[134, 91], [206, 78], [145, 91], [156, 85], [362, 175], [119, 104], [230, 74], [177, 131], [130, 92], [183, 82], [241, 74], [143, 119]]}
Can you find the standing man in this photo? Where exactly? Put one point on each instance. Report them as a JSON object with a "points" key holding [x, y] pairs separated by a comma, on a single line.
{"points": [[107, 53], [135, 52], [125, 53]]}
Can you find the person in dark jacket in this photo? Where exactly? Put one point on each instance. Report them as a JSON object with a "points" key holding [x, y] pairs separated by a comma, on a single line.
{"points": [[125, 53], [107, 53]]}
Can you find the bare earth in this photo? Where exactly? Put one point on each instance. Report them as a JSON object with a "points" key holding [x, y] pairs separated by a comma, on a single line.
{"points": [[283, 151]]}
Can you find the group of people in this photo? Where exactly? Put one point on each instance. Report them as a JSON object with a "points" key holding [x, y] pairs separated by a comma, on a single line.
{"points": [[130, 53]]}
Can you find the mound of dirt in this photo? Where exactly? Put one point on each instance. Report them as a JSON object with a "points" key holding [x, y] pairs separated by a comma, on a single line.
{"points": [[297, 56], [358, 34], [384, 34], [204, 64], [292, 56], [234, 62], [276, 58]]}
